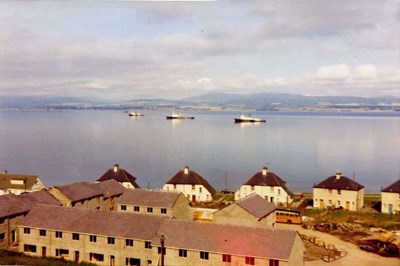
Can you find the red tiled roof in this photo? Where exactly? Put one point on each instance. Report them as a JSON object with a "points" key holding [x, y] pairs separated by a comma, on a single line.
{"points": [[343, 183], [269, 179], [191, 178], [120, 175], [394, 188], [96, 222], [227, 239], [256, 205], [150, 198]]}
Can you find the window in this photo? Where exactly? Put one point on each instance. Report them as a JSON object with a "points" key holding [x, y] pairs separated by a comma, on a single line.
{"points": [[149, 209], [2, 236], [62, 252], [271, 189], [273, 262], [252, 187], [58, 234], [339, 192], [42, 232], [183, 253], [30, 248], [279, 191], [147, 244], [129, 242], [123, 207], [75, 236], [163, 210], [27, 231], [93, 238], [188, 196], [96, 257], [193, 187], [136, 208], [226, 258], [164, 250], [203, 255], [250, 261], [330, 202], [200, 189], [2, 220], [338, 202], [110, 240], [330, 191]]}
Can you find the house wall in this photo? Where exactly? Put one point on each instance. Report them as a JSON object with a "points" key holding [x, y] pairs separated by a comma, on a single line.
{"points": [[8, 227], [181, 209], [109, 203], [128, 185], [144, 209], [84, 246], [297, 255], [347, 199], [236, 215], [276, 195], [393, 199], [198, 191], [93, 203]]}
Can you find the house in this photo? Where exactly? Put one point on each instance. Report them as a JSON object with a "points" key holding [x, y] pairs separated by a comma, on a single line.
{"points": [[18, 183], [120, 175], [191, 184], [197, 243], [79, 234], [391, 198], [268, 185], [252, 210], [122, 238], [170, 204], [101, 195], [14, 207], [338, 192]]}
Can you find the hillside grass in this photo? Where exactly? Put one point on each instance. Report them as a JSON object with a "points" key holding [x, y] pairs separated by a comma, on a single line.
{"points": [[15, 258]]}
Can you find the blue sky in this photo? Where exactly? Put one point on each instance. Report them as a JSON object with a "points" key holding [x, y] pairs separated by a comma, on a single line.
{"points": [[140, 49]]}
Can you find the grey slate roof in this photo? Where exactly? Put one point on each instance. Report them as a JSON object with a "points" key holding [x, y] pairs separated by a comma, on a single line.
{"points": [[140, 197], [394, 188], [191, 178], [96, 222], [80, 191], [5, 181], [343, 183], [110, 188], [256, 205], [11, 204], [119, 175], [227, 239]]}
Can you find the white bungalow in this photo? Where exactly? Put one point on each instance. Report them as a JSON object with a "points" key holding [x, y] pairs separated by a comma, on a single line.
{"points": [[391, 198], [191, 184], [268, 185]]}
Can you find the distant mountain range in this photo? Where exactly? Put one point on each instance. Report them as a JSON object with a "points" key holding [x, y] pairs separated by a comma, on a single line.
{"points": [[258, 101]]}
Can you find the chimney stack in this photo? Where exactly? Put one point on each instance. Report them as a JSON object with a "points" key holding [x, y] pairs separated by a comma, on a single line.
{"points": [[338, 174], [116, 168], [5, 171], [186, 170], [264, 171]]}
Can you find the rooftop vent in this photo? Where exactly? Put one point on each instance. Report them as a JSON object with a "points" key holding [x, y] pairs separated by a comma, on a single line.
{"points": [[116, 168], [338, 174], [186, 170], [264, 171]]}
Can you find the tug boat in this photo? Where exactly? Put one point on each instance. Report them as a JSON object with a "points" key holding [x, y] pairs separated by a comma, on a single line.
{"points": [[135, 114], [178, 116], [248, 119]]}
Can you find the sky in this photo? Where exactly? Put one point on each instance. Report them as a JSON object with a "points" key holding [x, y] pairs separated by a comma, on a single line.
{"points": [[121, 50]]}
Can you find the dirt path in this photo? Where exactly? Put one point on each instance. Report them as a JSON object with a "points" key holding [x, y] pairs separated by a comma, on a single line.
{"points": [[355, 256]]}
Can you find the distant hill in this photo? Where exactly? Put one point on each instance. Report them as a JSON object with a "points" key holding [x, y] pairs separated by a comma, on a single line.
{"points": [[258, 101]]}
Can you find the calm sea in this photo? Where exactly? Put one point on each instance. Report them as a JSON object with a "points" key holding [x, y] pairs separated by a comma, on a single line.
{"points": [[302, 148]]}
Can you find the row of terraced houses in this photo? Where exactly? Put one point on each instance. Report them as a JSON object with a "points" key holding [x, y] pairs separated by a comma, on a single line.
{"points": [[112, 222]]}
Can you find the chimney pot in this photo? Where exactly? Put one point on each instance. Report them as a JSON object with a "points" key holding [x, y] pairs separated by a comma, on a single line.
{"points": [[186, 170], [338, 174], [116, 168], [264, 171]]}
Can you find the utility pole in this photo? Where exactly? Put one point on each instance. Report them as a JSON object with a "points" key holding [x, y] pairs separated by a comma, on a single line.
{"points": [[162, 240]]}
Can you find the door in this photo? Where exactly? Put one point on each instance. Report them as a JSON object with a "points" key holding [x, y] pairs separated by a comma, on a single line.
{"points": [[321, 204], [13, 236], [390, 208], [43, 251], [76, 256], [193, 198], [271, 199], [112, 260], [347, 205]]}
